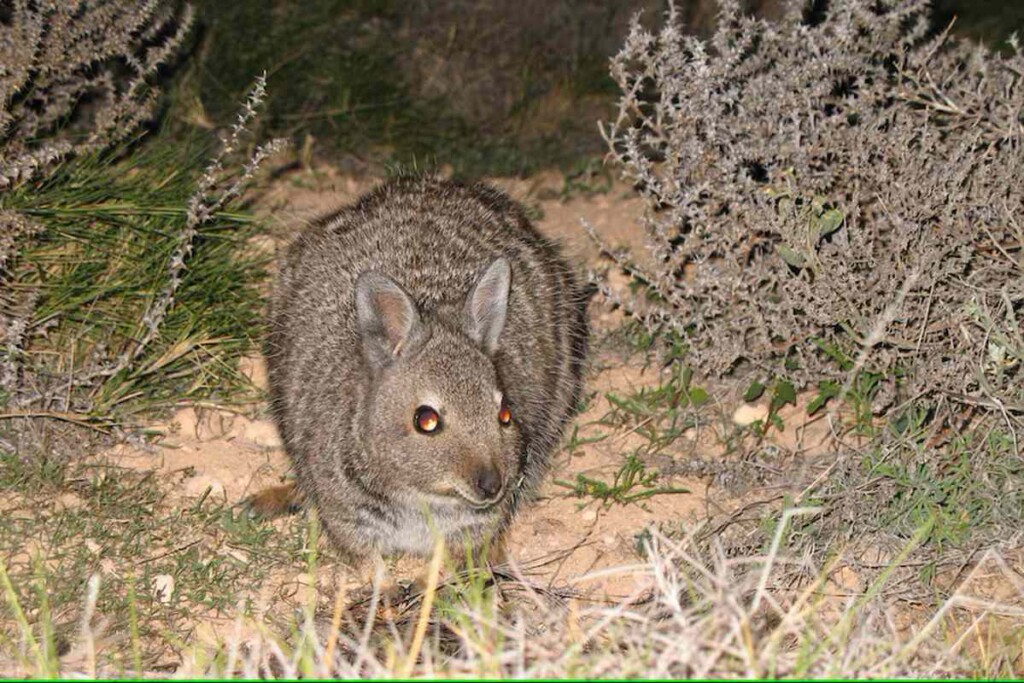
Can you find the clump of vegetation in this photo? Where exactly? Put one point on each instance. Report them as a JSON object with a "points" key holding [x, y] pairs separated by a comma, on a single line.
{"points": [[78, 77], [830, 195], [832, 207], [124, 285]]}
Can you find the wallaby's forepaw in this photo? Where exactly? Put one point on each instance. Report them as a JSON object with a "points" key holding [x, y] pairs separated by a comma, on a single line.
{"points": [[274, 501]]}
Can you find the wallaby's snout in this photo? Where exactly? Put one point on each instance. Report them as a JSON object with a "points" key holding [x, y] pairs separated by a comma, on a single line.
{"points": [[487, 483]]}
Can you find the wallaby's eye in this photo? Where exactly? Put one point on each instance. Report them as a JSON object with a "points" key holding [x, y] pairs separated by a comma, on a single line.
{"points": [[426, 420], [504, 415]]}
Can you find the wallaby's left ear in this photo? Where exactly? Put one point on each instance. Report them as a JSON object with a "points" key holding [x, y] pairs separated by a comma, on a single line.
{"points": [[487, 304]]}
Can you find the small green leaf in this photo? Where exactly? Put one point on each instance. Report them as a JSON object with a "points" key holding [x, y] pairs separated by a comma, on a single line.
{"points": [[791, 256], [834, 352], [828, 223], [826, 390], [698, 396], [754, 392], [785, 393], [686, 376]]}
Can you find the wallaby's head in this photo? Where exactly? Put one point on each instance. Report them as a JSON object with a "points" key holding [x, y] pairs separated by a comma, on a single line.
{"points": [[436, 424]]}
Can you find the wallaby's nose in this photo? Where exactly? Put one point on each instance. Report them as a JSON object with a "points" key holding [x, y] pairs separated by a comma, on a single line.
{"points": [[487, 482]]}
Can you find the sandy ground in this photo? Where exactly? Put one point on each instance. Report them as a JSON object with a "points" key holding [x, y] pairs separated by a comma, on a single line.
{"points": [[561, 539]]}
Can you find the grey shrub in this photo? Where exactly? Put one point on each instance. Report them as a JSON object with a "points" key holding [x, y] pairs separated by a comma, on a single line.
{"points": [[837, 180]]}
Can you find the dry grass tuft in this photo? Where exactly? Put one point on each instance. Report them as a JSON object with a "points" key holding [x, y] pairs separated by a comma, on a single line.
{"points": [[696, 612]]}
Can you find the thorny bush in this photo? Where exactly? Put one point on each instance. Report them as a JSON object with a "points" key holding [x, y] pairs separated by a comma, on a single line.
{"points": [[833, 194]]}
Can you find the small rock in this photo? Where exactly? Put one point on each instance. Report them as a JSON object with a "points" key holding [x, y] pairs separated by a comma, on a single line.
{"points": [[187, 421], [589, 515], [204, 425], [548, 526], [196, 486], [262, 433], [262, 244], [69, 501], [847, 578], [163, 588], [618, 280], [239, 555], [747, 414], [255, 368]]}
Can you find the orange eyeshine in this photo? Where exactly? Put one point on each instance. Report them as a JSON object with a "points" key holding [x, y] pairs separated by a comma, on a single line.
{"points": [[426, 420], [504, 416]]}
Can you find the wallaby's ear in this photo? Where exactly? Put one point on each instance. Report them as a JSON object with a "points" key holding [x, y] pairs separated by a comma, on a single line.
{"points": [[484, 315], [388, 321]]}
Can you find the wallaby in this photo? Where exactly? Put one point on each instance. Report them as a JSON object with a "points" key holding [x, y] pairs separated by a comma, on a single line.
{"points": [[425, 353]]}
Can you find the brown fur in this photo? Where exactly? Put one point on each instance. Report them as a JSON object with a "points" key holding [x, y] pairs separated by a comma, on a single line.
{"points": [[275, 501]]}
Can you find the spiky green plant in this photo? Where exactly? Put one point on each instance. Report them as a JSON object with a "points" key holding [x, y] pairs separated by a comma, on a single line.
{"points": [[110, 227], [136, 289]]}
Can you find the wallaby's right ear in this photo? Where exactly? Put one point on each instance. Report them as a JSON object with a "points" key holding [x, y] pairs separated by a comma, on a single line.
{"points": [[388, 321]]}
